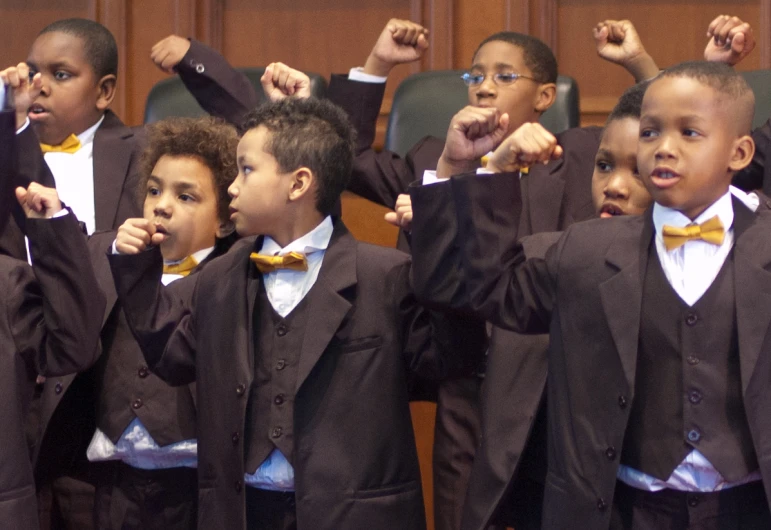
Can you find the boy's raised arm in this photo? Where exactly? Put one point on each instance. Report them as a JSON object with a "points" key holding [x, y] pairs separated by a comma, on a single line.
{"points": [[160, 317], [55, 314], [220, 89], [379, 177]]}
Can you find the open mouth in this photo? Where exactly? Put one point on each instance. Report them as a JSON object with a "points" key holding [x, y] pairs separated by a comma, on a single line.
{"points": [[663, 177], [610, 210], [159, 228], [36, 111]]}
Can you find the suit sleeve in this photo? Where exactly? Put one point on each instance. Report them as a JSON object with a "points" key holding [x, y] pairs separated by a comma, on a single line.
{"points": [[378, 177], [438, 274], [160, 317], [220, 89], [56, 313], [505, 286], [436, 344]]}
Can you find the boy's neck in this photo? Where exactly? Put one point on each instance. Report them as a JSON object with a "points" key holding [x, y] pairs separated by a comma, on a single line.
{"points": [[300, 223]]}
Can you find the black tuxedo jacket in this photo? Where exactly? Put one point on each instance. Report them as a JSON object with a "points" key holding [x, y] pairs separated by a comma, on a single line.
{"points": [[355, 458], [587, 292], [555, 196]]}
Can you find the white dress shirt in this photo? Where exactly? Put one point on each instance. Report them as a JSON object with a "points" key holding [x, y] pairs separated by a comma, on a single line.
{"points": [[136, 446], [690, 270], [285, 289]]}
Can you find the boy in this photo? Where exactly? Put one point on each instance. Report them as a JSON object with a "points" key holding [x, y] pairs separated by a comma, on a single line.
{"points": [[300, 369], [655, 397], [50, 325], [73, 67], [140, 433]]}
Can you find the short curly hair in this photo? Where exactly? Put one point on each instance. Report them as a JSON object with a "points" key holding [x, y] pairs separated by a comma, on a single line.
{"points": [[314, 133], [210, 140]]}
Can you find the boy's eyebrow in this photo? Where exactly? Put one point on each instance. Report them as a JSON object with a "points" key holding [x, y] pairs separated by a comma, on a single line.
{"points": [[603, 153], [497, 66], [185, 186]]}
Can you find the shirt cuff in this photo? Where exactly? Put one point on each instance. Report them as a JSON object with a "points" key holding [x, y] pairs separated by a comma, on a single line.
{"points": [[60, 213], [21, 129], [429, 177], [114, 247], [357, 74]]}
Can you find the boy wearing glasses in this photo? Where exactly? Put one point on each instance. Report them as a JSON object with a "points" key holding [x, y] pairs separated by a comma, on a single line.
{"points": [[510, 74]]}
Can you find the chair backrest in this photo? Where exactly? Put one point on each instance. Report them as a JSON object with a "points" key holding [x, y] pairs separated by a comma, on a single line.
{"points": [[760, 83], [170, 97], [425, 103]]}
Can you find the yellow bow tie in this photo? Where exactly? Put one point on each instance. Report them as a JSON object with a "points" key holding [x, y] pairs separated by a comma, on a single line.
{"points": [[182, 268], [711, 231], [266, 264], [70, 145]]}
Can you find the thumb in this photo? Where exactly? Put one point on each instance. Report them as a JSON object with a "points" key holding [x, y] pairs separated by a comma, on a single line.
{"points": [[557, 153], [157, 238], [737, 44], [267, 78], [422, 44], [392, 218]]}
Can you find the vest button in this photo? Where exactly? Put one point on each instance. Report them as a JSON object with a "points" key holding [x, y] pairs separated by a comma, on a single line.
{"points": [[276, 432], [694, 436], [58, 388], [622, 401], [136, 404], [238, 485], [279, 399], [240, 389], [601, 504], [235, 437], [691, 319], [695, 397], [610, 452], [280, 364], [281, 330], [692, 360], [143, 372]]}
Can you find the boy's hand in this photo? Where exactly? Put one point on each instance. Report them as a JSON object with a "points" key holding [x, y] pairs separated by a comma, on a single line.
{"points": [[38, 202], [473, 132], [280, 81], [401, 217], [730, 40], [401, 41], [528, 145], [136, 235], [25, 90], [617, 41], [168, 53]]}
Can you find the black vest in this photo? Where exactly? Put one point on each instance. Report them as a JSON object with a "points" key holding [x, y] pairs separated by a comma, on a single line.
{"points": [[270, 412], [688, 392], [126, 389]]}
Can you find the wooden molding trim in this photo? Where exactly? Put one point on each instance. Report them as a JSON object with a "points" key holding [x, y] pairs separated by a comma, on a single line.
{"points": [[113, 14], [765, 33], [211, 22], [438, 15], [518, 16]]}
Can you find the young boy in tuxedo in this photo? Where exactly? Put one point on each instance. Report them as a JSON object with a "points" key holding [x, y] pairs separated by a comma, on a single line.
{"points": [[655, 398], [300, 342], [51, 310], [63, 95], [138, 433]]}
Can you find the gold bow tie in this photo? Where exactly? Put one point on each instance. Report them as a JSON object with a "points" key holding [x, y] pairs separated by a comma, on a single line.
{"points": [[70, 145], [182, 268], [266, 264], [711, 231]]}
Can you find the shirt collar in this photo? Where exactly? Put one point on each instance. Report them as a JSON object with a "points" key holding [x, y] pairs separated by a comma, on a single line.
{"points": [[198, 256], [87, 136], [723, 208], [315, 240]]}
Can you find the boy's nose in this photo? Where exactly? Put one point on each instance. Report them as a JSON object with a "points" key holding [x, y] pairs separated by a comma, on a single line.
{"points": [[665, 147], [616, 187], [487, 88]]}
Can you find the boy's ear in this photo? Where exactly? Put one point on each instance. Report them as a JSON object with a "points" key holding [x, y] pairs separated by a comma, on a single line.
{"points": [[106, 88], [302, 181], [547, 93], [743, 151], [225, 228]]}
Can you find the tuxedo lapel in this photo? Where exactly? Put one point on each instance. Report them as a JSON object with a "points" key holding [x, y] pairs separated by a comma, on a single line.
{"points": [[328, 305], [752, 285], [621, 295], [542, 191], [252, 288], [112, 156]]}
